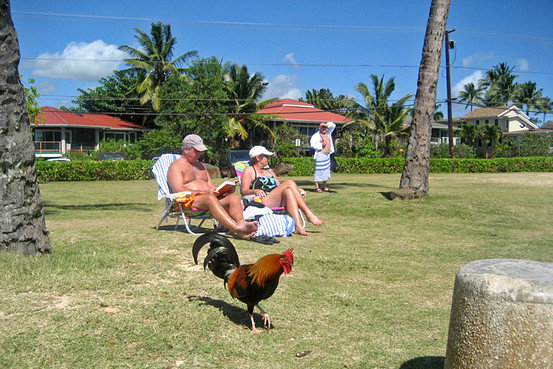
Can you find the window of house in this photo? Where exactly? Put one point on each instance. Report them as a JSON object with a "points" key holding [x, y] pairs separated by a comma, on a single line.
{"points": [[496, 122], [486, 121], [43, 135], [114, 135], [477, 122], [506, 124]]}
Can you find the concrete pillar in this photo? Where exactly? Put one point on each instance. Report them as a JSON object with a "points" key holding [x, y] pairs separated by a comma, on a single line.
{"points": [[502, 316]]}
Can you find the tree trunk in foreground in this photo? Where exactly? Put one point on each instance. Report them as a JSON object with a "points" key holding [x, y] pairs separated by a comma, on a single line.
{"points": [[22, 224], [414, 180]]}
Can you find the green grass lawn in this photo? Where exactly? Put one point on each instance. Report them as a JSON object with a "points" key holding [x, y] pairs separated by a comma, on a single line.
{"points": [[371, 288]]}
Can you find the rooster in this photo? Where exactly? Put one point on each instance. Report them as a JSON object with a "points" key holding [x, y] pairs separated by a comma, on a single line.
{"points": [[249, 283]]}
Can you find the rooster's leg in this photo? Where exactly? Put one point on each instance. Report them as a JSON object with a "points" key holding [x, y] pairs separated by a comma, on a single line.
{"points": [[266, 319], [254, 330]]}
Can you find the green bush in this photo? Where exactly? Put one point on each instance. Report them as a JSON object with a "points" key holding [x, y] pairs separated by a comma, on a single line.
{"points": [[89, 170], [157, 142], [459, 151], [306, 166]]}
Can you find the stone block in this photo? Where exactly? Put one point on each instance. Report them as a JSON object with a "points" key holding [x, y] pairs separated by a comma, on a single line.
{"points": [[501, 316]]}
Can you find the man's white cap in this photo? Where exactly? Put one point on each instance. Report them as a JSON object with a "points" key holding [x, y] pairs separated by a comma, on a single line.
{"points": [[194, 141], [259, 150]]}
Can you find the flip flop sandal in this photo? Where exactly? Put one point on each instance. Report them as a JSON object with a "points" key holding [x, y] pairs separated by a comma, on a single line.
{"points": [[326, 189], [318, 190]]}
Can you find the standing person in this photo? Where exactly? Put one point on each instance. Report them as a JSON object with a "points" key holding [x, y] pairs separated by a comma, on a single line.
{"points": [[322, 143], [187, 173]]}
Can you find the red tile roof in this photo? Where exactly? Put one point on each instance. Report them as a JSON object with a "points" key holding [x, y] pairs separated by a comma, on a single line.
{"points": [[298, 111], [57, 118]]}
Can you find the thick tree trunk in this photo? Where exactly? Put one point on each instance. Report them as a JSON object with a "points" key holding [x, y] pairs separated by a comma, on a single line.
{"points": [[22, 224], [414, 180]]}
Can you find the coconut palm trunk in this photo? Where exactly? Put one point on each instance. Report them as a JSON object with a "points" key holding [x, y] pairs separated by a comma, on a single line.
{"points": [[22, 224], [414, 179]]}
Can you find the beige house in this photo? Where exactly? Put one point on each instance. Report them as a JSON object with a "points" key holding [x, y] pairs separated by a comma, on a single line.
{"points": [[511, 120]]}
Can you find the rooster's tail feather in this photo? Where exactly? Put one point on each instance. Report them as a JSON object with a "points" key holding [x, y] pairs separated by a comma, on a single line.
{"points": [[221, 257]]}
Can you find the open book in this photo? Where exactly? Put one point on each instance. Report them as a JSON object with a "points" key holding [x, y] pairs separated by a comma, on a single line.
{"points": [[226, 186]]}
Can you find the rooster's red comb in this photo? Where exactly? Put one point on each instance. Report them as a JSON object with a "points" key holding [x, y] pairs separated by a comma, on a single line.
{"points": [[289, 255]]}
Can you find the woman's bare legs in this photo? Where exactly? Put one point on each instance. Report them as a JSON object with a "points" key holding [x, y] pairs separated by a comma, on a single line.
{"points": [[294, 201]]}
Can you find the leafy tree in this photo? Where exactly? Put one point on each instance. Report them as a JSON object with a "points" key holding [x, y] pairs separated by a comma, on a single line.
{"points": [[384, 120], [153, 61], [472, 95], [117, 96], [244, 91], [32, 95], [158, 142], [199, 106], [285, 137]]}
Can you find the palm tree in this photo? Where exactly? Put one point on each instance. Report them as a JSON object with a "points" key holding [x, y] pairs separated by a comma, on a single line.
{"points": [[22, 226], [414, 178], [491, 134], [325, 100], [244, 90], [472, 95], [546, 106], [500, 85], [529, 96], [153, 61], [470, 133], [383, 120]]}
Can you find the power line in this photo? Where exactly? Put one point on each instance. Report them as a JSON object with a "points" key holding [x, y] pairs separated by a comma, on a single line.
{"points": [[295, 65], [298, 27]]}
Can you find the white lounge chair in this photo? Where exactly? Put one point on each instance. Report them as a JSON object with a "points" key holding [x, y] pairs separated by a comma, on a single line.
{"points": [[173, 208]]}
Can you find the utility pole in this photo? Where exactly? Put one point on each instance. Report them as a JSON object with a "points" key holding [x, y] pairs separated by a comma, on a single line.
{"points": [[448, 78]]}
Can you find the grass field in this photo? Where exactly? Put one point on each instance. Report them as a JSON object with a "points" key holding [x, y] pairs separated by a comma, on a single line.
{"points": [[370, 289]]}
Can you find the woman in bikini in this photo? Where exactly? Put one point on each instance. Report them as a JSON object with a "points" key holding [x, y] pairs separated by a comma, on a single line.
{"points": [[263, 182]]}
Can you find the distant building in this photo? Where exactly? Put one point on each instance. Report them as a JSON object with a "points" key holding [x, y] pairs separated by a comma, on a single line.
{"points": [[61, 132], [300, 115], [512, 121]]}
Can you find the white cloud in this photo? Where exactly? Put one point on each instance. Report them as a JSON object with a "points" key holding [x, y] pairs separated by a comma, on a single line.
{"points": [[474, 77], [523, 64], [290, 58], [476, 59], [45, 87], [79, 61], [283, 86]]}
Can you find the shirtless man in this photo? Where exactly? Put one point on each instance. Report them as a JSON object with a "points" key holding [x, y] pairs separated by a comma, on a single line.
{"points": [[187, 173]]}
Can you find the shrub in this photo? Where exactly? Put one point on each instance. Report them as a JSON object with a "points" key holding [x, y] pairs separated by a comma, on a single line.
{"points": [[306, 166], [158, 142], [89, 170], [459, 151]]}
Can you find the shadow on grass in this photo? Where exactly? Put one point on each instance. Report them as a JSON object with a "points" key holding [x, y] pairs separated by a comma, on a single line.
{"points": [[387, 195], [309, 186], [425, 362], [235, 314], [53, 208]]}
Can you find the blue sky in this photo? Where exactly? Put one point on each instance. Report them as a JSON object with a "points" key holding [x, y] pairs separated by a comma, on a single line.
{"points": [[296, 45]]}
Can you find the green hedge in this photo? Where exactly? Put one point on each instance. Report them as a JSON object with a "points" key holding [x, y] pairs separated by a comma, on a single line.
{"points": [[89, 170], [305, 166]]}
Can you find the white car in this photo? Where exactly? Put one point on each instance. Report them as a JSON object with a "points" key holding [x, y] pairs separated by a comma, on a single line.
{"points": [[59, 159]]}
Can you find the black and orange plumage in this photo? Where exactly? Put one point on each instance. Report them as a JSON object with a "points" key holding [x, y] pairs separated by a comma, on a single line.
{"points": [[249, 283]]}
